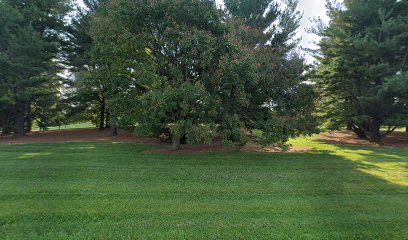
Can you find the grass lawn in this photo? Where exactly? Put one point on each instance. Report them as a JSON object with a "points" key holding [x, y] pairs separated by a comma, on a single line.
{"points": [[67, 127], [120, 191]]}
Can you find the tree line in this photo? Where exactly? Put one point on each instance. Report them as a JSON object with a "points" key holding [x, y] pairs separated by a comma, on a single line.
{"points": [[191, 71]]}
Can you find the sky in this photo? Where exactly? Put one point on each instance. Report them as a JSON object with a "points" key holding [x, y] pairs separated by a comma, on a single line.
{"points": [[311, 9]]}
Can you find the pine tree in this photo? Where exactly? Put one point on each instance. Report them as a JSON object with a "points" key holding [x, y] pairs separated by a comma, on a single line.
{"points": [[278, 102], [30, 50], [363, 60]]}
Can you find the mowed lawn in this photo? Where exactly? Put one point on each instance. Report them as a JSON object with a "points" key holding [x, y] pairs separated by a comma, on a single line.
{"points": [[81, 125], [123, 191]]}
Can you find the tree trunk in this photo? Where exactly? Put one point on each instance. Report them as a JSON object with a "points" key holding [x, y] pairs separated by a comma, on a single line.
{"points": [[359, 131], [175, 142], [107, 120], [29, 120], [7, 127], [102, 115], [113, 125], [374, 131], [350, 125], [20, 119], [6, 130], [114, 131], [406, 129]]}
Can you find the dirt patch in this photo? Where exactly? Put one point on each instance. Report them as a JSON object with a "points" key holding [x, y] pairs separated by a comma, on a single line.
{"points": [[218, 146], [192, 149], [396, 139], [76, 135], [93, 135]]}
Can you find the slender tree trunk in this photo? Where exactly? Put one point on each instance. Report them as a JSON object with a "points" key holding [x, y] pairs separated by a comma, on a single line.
{"points": [[114, 131], [102, 115], [374, 131], [113, 125], [359, 131], [406, 129], [7, 128], [29, 120], [175, 142], [107, 120], [20, 119], [350, 125]]}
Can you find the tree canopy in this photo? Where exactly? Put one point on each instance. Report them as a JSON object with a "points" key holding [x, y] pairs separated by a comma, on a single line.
{"points": [[363, 64], [180, 69], [191, 68], [31, 39]]}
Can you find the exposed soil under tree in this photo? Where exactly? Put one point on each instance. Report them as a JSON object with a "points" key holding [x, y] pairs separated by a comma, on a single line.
{"points": [[397, 139]]}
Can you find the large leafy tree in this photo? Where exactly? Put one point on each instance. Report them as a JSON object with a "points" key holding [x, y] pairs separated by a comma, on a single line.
{"points": [[363, 64], [187, 43], [31, 39], [164, 51], [277, 99], [186, 66]]}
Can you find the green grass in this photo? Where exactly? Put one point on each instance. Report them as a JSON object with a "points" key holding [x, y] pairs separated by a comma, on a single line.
{"points": [[68, 127], [120, 191]]}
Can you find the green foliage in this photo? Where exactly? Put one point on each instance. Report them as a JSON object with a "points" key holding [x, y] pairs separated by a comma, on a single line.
{"points": [[178, 65], [364, 45], [395, 92], [267, 21], [32, 35], [86, 90], [180, 109], [267, 89]]}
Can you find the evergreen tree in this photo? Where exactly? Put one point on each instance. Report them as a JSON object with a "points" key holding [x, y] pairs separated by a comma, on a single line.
{"points": [[278, 101], [363, 60], [30, 45], [267, 22]]}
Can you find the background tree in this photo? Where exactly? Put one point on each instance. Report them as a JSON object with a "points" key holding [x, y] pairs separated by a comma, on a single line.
{"points": [[86, 94], [32, 36], [119, 55], [363, 48], [276, 98]]}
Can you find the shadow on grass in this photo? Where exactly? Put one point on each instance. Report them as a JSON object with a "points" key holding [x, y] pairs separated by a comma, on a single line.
{"points": [[363, 193]]}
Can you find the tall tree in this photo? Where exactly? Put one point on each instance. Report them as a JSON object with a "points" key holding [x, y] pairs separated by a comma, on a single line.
{"points": [[180, 65], [278, 101], [87, 91], [164, 51], [33, 34], [363, 60]]}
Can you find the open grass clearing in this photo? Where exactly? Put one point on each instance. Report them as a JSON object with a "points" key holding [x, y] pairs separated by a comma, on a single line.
{"points": [[102, 190]]}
